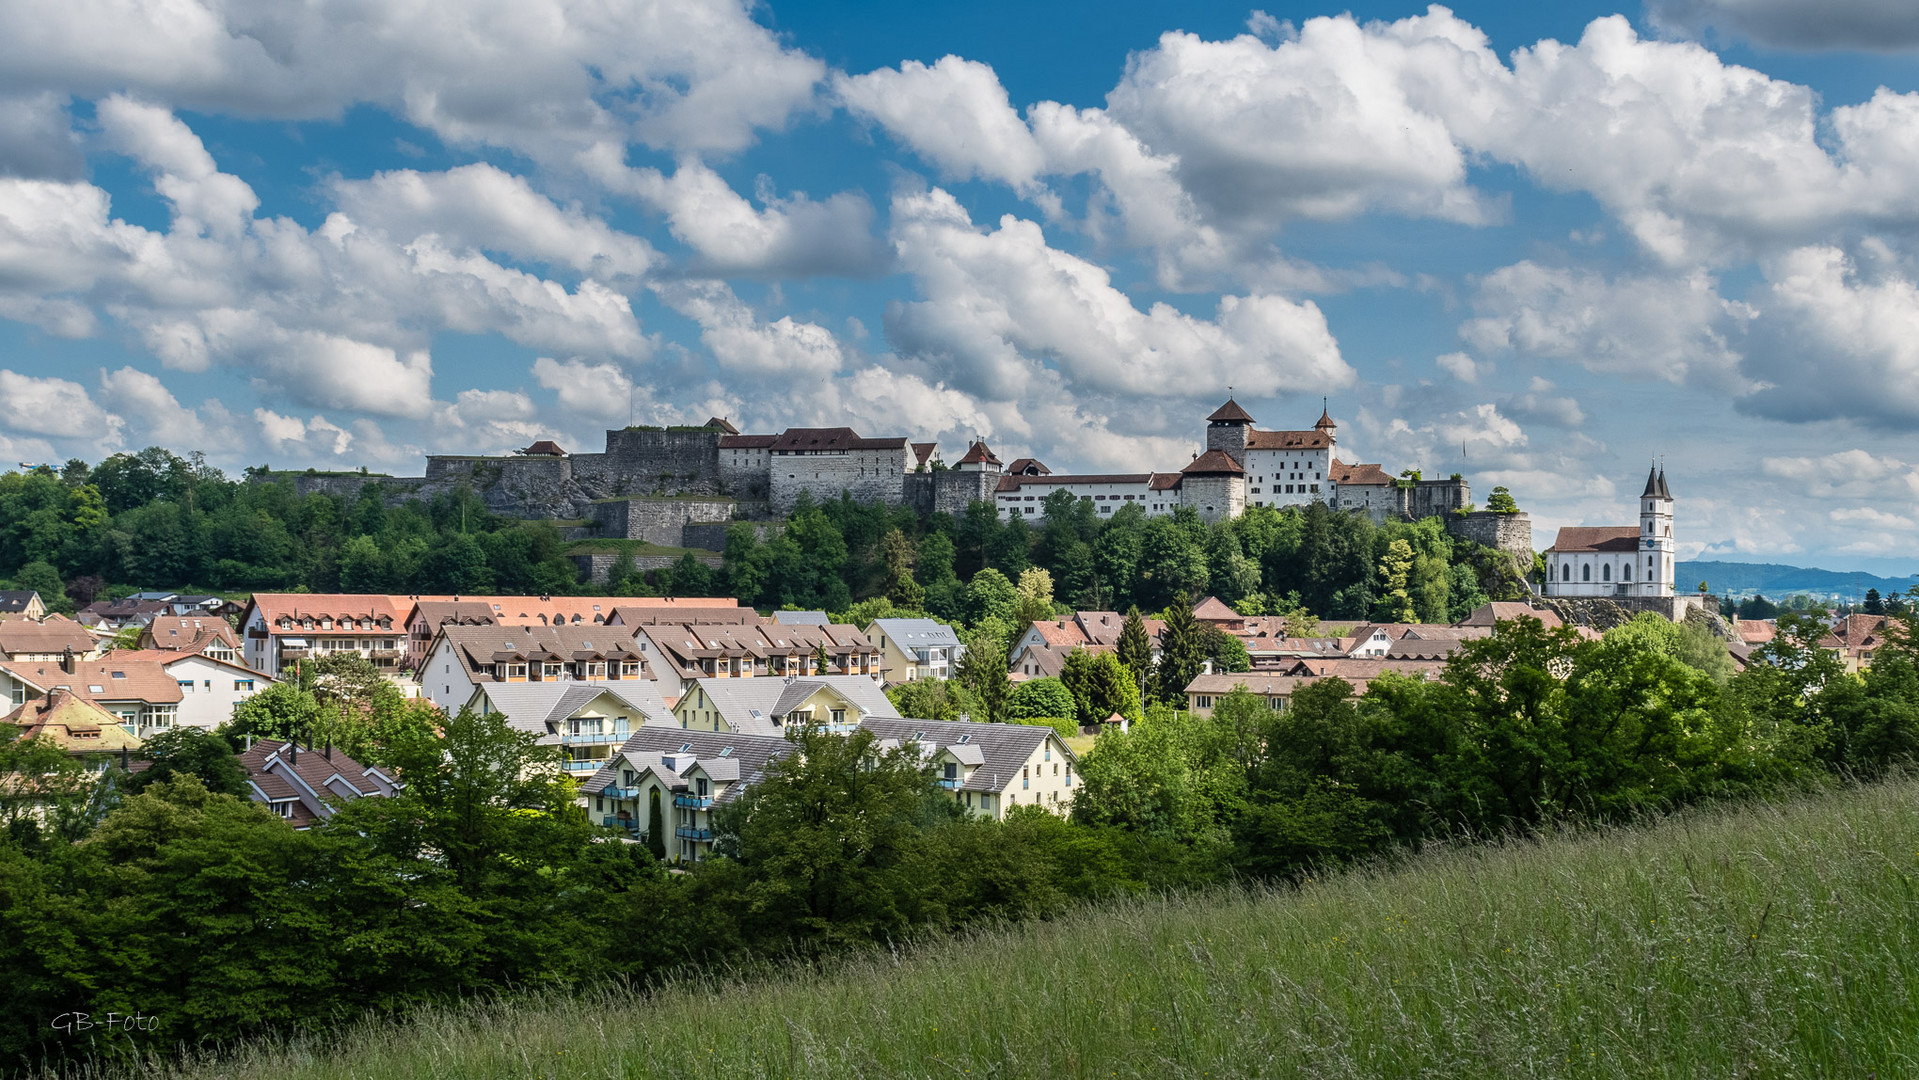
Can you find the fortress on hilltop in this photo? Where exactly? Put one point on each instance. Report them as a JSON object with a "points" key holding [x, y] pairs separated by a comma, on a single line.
{"points": [[683, 486]]}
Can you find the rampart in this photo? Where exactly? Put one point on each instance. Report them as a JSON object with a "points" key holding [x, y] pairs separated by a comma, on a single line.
{"points": [[1504, 532]]}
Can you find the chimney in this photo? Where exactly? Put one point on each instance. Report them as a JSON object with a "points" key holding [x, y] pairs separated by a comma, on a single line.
{"points": [[66, 660], [123, 759], [249, 742], [296, 753], [329, 748]]}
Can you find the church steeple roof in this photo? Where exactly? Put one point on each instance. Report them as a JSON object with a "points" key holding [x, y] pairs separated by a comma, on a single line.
{"points": [[1652, 484], [1664, 491]]}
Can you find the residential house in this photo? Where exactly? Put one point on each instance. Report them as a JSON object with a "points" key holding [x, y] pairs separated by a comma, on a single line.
{"points": [[690, 773], [206, 634], [52, 638], [120, 614], [141, 694], [22, 602], [680, 652], [424, 615], [1755, 632], [585, 719], [915, 648], [209, 688], [1856, 638], [1205, 691], [1042, 649], [282, 629], [767, 707], [989, 769], [463, 658], [302, 785], [75, 723]]}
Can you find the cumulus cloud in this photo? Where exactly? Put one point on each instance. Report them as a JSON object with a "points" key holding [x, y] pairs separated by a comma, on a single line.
{"points": [[786, 236], [1663, 327], [37, 139], [742, 343], [1460, 366], [1801, 25], [1848, 474], [55, 407], [994, 302], [598, 391], [546, 77], [953, 113], [162, 420], [1838, 336]]}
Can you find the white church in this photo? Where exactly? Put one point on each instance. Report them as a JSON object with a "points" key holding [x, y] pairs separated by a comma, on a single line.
{"points": [[1617, 560]]}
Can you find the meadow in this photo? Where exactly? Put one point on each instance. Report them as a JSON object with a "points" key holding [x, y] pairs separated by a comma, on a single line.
{"points": [[1757, 939]]}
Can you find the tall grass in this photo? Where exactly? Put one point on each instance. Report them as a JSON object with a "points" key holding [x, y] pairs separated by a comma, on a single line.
{"points": [[1763, 940]]}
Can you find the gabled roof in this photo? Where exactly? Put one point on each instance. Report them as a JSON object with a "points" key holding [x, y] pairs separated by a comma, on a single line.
{"points": [[757, 706], [653, 744], [54, 634], [1288, 440], [16, 599], [923, 452], [1003, 747], [1357, 475], [145, 681], [832, 440], [748, 442], [477, 646], [1029, 467], [925, 633], [336, 606], [1213, 609], [978, 454], [802, 618], [1213, 463], [1261, 683], [1596, 538], [75, 723], [188, 633], [539, 707], [1230, 413], [722, 424]]}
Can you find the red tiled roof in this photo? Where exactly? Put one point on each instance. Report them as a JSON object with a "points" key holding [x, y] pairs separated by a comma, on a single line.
{"points": [[1213, 463], [1230, 413], [546, 448], [722, 424], [747, 442], [1213, 609], [1575, 538], [978, 454], [1288, 440], [1358, 475], [1165, 481], [54, 634], [923, 451], [137, 679], [1029, 465], [1013, 482], [832, 440]]}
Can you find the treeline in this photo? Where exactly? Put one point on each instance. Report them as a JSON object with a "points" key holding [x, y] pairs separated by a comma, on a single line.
{"points": [[1267, 561], [174, 896], [156, 520]]}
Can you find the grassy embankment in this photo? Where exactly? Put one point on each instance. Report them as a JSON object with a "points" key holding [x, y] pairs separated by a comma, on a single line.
{"points": [[1745, 941]]}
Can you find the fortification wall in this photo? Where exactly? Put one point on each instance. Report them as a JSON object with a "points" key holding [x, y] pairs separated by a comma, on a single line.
{"points": [[639, 461], [712, 537], [744, 474], [1214, 498], [1505, 532], [1431, 498], [953, 490], [870, 475], [396, 489], [917, 491], [597, 568], [659, 521]]}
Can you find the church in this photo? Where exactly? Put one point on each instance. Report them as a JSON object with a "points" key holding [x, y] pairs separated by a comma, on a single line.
{"points": [[1618, 560]]}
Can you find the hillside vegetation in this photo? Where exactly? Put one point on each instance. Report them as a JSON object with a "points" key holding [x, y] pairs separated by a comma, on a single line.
{"points": [[1749, 940]]}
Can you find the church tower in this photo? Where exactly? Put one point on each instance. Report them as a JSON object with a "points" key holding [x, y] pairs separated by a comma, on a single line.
{"points": [[1656, 556]]}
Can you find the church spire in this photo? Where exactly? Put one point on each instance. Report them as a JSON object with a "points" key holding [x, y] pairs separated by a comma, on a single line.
{"points": [[1654, 484]]}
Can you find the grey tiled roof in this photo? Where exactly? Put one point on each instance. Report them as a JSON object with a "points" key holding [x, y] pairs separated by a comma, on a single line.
{"points": [[749, 705], [1003, 748], [750, 753], [533, 706], [922, 633]]}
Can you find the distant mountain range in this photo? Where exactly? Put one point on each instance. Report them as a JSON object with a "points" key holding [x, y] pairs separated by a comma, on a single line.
{"points": [[1775, 580]]}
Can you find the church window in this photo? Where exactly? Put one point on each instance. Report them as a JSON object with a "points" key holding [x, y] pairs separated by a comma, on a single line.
{"points": [[1605, 572], [1565, 571], [1586, 572], [1627, 569]]}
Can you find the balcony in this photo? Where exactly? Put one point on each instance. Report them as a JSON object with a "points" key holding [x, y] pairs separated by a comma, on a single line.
{"points": [[582, 765], [594, 738], [950, 783], [287, 656], [693, 802], [621, 792], [687, 832], [628, 824]]}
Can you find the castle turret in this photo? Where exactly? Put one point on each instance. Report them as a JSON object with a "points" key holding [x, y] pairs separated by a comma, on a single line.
{"points": [[1656, 555], [1326, 425], [1229, 430]]}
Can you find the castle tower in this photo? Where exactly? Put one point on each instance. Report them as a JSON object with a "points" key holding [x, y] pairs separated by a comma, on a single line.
{"points": [[1656, 555], [973, 478], [1229, 429], [1326, 425]]}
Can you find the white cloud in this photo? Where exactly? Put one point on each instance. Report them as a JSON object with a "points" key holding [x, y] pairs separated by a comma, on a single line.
{"points": [[953, 113], [1460, 366], [160, 417], [37, 139], [599, 391], [1838, 336], [1850, 474], [789, 236], [55, 407], [1671, 328], [1812, 25], [995, 302], [545, 77], [743, 344], [483, 208]]}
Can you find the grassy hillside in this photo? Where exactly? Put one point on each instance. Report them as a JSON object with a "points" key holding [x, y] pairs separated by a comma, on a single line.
{"points": [[1757, 941]]}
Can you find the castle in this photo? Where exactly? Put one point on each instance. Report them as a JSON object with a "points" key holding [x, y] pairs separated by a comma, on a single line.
{"points": [[684, 486]]}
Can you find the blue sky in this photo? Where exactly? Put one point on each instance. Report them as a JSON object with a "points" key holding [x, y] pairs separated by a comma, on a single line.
{"points": [[1538, 244]]}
